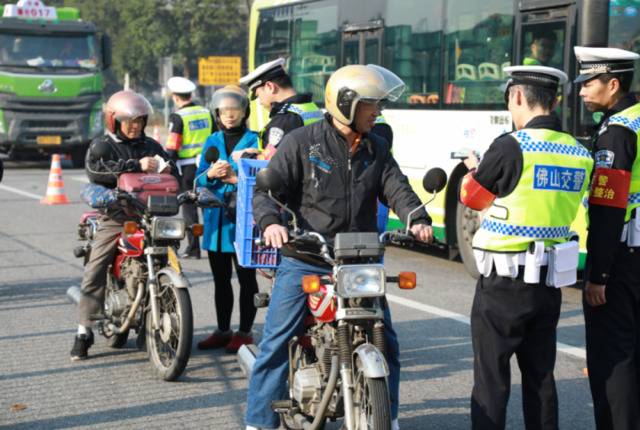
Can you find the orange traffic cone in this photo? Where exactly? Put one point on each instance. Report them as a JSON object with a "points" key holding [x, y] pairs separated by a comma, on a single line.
{"points": [[55, 187]]}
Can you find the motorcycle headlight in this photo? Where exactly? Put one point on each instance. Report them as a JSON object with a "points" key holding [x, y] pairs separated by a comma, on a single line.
{"points": [[167, 228], [360, 280]]}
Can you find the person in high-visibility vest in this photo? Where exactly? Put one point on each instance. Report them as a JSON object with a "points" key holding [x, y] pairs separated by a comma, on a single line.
{"points": [[189, 127], [531, 182], [612, 289], [288, 110], [543, 46]]}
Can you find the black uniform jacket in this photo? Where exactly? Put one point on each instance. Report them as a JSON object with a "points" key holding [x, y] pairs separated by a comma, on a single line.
{"points": [[105, 162], [331, 190], [282, 121], [614, 148], [501, 166]]}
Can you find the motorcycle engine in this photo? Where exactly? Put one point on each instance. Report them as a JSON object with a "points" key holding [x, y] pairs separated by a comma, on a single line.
{"points": [[307, 388], [118, 300], [116, 303], [133, 272]]}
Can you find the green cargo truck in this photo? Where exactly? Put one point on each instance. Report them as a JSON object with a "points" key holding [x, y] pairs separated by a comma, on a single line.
{"points": [[51, 65]]}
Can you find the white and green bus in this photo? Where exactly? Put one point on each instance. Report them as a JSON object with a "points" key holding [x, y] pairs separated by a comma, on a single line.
{"points": [[450, 53]]}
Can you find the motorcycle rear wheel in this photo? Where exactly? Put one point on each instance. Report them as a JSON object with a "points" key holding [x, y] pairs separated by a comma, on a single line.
{"points": [[373, 406], [170, 347]]}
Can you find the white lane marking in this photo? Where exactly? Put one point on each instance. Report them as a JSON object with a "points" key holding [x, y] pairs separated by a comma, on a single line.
{"points": [[79, 178], [562, 347], [20, 192]]}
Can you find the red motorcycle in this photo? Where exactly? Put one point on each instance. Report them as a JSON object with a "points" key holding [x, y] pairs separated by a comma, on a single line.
{"points": [[146, 288]]}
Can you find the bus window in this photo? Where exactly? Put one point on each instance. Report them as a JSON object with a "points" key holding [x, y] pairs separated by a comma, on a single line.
{"points": [[543, 45], [478, 43], [624, 31], [412, 48], [273, 35]]}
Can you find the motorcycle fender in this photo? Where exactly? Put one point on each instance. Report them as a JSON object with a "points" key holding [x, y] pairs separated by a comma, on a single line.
{"points": [[373, 362], [177, 279]]}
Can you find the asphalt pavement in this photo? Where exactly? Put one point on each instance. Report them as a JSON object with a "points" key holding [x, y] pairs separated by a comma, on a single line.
{"points": [[40, 388]]}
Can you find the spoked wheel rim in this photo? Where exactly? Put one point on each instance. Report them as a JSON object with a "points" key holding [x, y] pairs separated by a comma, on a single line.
{"points": [[362, 402], [166, 339]]}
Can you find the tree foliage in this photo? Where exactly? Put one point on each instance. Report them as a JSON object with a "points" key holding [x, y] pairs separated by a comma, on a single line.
{"points": [[143, 31]]}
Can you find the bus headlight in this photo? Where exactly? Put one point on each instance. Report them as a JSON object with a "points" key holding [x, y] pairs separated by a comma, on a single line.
{"points": [[163, 228], [360, 280]]}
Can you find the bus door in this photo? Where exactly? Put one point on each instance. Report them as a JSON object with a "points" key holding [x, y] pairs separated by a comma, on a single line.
{"points": [[544, 38], [362, 43]]}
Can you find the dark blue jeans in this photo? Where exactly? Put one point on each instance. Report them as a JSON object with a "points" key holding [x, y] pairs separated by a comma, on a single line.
{"points": [[284, 320]]}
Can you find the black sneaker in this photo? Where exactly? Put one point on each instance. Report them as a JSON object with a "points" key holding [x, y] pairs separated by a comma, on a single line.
{"points": [[81, 345]]}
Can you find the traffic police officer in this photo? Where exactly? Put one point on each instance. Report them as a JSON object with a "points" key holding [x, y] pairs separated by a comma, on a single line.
{"points": [[288, 110], [189, 128], [531, 181], [612, 291]]}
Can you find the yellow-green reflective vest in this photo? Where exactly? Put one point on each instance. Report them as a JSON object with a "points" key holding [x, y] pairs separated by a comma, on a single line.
{"points": [[380, 120], [555, 176], [196, 127], [630, 118], [309, 113]]}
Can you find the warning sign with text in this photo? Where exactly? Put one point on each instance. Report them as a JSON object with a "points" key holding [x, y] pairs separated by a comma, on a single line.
{"points": [[219, 70]]}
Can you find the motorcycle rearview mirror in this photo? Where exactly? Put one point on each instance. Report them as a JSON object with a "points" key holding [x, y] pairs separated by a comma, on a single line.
{"points": [[269, 181], [210, 156], [433, 182]]}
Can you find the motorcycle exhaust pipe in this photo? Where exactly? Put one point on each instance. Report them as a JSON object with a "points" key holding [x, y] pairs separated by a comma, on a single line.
{"points": [[303, 421], [74, 293], [246, 358]]}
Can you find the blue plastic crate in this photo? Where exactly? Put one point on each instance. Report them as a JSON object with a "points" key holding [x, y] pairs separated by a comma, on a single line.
{"points": [[249, 254]]}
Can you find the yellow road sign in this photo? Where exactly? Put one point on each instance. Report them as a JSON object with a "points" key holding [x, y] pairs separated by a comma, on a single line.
{"points": [[219, 70]]}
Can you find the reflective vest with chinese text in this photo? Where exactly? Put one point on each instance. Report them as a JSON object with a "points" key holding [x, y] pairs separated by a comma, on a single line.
{"points": [[555, 176]]}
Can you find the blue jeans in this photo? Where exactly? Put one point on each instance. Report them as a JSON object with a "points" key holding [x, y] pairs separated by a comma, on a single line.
{"points": [[284, 320]]}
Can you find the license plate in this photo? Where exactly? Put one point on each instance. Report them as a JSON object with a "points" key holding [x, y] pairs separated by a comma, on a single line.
{"points": [[49, 140], [172, 258]]}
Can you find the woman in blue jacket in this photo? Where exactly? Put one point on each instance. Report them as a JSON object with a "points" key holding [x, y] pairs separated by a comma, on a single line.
{"points": [[231, 110]]}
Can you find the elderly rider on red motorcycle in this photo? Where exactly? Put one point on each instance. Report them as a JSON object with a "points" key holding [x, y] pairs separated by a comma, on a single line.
{"points": [[124, 148]]}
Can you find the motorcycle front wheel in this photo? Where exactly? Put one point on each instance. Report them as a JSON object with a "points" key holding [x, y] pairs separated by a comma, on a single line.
{"points": [[169, 347], [373, 406]]}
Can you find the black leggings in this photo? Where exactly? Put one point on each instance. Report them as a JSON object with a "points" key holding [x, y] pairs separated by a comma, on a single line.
{"points": [[220, 263]]}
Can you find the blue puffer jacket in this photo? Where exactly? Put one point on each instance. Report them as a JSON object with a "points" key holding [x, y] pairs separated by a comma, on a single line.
{"points": [[212, 227]]}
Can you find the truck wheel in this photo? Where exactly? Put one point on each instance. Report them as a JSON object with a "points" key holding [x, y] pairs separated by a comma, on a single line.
{"points": [[77, 157], [467, 223]]}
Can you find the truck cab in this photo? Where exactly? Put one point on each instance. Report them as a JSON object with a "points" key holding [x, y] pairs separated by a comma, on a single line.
{"points": [[51, 81]]}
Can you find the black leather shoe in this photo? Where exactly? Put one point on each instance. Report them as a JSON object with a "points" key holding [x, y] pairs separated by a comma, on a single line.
{"points": [[81, 346], [190, 255]]}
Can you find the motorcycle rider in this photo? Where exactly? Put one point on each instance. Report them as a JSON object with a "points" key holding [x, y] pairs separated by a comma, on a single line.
{"points": [[333, 172], [124, 148]]}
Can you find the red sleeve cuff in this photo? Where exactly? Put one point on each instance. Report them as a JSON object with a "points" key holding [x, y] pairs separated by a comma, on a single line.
{"points": [[474, 195], [610, 187]]}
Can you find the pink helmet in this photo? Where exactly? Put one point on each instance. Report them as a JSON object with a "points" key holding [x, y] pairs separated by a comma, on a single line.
{"points": [[125, 106]]}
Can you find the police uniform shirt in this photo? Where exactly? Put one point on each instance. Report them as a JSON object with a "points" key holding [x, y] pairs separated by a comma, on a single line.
{"points": [[282, 121], [501, 166], [176, 126], [614, 148]]}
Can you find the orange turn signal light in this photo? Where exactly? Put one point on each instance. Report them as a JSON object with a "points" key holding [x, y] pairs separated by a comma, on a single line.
{"points": [[130, 227], [197, 230], [407, 280], [311, 284]]}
